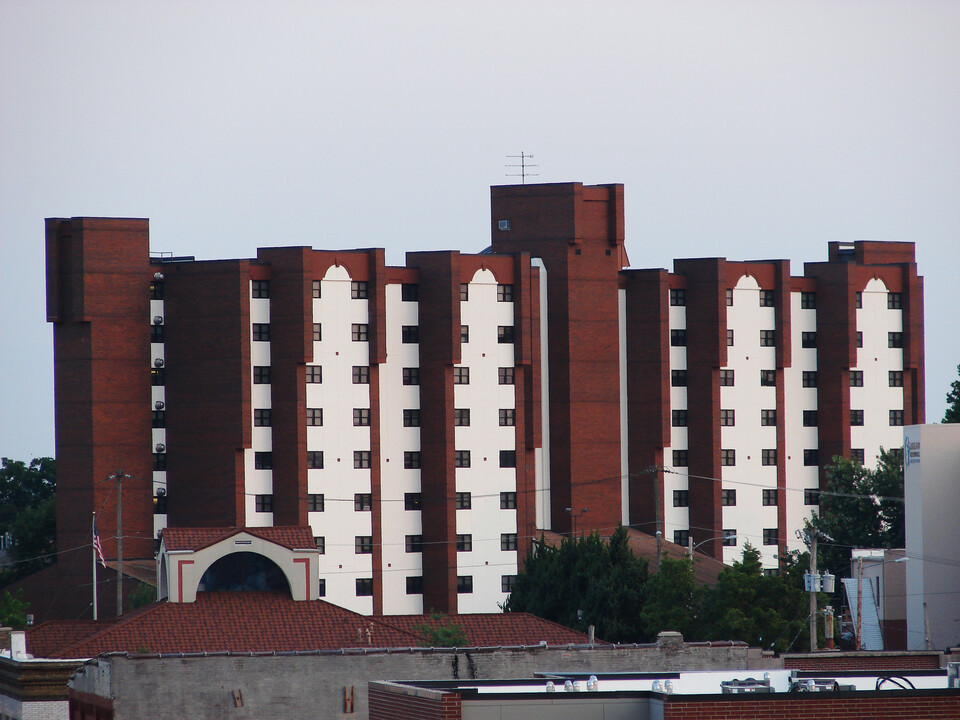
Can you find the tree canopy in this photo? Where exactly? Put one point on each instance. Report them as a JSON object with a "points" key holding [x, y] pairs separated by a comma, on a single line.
{"points": [[28, 513], [953, 401]]}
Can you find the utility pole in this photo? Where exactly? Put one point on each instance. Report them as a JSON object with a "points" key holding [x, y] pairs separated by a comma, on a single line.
{"points": [[859, 600], [93, 548], [119, 476], [813, 592]]}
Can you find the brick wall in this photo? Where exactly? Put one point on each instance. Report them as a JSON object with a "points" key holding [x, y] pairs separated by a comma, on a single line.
{"points": [[904, 705], [389, 701], [864, 661]]}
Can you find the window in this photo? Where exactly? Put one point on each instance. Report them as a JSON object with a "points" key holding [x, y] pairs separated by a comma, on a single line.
{"points": [[464, 292], [464, 543], [895, 378], [359, 290], [409, 292], [505, 375], [728, 457], [766, 298], [768, 338], [768, 378], [681, 498], [315, 502], [729, 538], [463, 501], [678, 297], [808, 300], [679, 418], [361, 375], [858, 300], [729, 297], [261, 374], [263, 460], [156, 333], [361, 459], [412, 501], [362, 502], [507, 583], [321, 543], [856, 417], [728, 498], [856, 378], [894, 301], [678, 378], [811, 497], [508, 501], [262, 417], [505, 333], [809, 418], [769, 536], [411, 376], [896, 417], [508, 417], [410, 334], [729, 337], [159, 462], [361, 417], [364, 587], [411, 460], [414, 582], [317, 332], [508, 541], [464, 584], [411, 418], [681, 537], [859, 339], [261, 332], [156, 290], [315, 288], [808, 378], [726, 378], [314, 417], [263, 503], [768, 457], [811, 457], [159, 419], [808, 339], [769, 497], [895, 339], [359, 332], [504, 293], [508, 458], [768, 418], [678, 338], [363, 544], [413, 543], [315, 459], [461, 458], [464, 333], [461, 417], [857, 455], [680, 458], [727, 418], [461, 376], [260, 288]]}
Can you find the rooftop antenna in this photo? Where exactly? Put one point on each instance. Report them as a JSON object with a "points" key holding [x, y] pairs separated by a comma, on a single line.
{"points": [[523, 165]]}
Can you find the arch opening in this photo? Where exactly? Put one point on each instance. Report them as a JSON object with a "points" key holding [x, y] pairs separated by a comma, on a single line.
{"points": [[244, 571]]}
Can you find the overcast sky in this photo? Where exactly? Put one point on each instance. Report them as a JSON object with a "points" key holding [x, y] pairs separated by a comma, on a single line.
{"points": [[748, 130]]}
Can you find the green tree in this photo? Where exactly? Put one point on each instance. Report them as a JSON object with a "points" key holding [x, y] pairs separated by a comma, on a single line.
{"points": [[143, 594], [953, 402], [674, 600], [13, 610], [24, 486], [439, 632], [34, 536]]}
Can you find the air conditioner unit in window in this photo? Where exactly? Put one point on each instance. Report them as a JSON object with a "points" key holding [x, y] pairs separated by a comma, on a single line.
{"points": [[158, 276], [158, 362], [159, 405], [161, 448], [161, 492], [158, 319]]}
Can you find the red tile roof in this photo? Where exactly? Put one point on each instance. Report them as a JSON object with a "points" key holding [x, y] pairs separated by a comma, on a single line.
{"points": [[293, 537], [47, 638], [493, 629]]}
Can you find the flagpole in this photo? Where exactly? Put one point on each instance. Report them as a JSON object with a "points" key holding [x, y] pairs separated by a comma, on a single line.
{"points": [[93, 549]]}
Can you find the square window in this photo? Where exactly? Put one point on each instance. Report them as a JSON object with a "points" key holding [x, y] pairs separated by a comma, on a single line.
{"points": [[678, 338], [678, 378], [315, 459], [263, 503], [811, 457], [507, 583], [317, 332], [858, 300], [159, 419], [260, 288], [315, 502], [461, 376], [505, 333], [859, 339], [409, 292], [811, 497], [894, 301], [809, 418], [508, 542], [727, 418], [315, 288], [361, 417], [504, 293], [768, 418], [415, 582], [856, 418], [410, 334], [728, 457], [895, 339], [728, 498], [359, 290], [321, 542], [412, 501], [156, 333], [729, 337], [411, 418], [461, 458], [413, 543], [362, 502], [681, 537], [768, 338], [411, 460], [508, 501], [461, 417], [896, 417], [808, 300], [361, 375], [411, 376], [261, 375], [508, 417], [680, 458], [857, 455], [262, 417], [808, 378], [768, 378], [364, 587], [464, 584], [808, 339], [464, 543], [769, 536], [263, 460], [261, 332], [729, 297], [505, 376], [359, 332], [681, 498], [766, 298], [159, 462], [729, 538], [768, 457], [463, 501], [464, 333], [769, 497], [464, 292], [361, 459], [156, 290], [895, 378], [678, 418], [856, 378], [726, 378], [363, 544], [678, 296], [314, 417], [508, 458]]}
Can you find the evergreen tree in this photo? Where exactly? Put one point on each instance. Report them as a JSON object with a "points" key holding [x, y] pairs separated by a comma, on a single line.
{"points": [[953, 402], [674, 600]]}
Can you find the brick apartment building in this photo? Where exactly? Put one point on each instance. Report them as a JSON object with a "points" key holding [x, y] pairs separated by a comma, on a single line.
{"points": [[426, 420]]}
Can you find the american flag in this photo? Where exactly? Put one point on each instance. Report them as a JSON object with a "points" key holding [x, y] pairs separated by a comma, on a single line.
{"points": [[98, 546]]}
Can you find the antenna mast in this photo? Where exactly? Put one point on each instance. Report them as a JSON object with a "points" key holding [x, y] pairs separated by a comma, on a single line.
{"points": [[523, 165]]}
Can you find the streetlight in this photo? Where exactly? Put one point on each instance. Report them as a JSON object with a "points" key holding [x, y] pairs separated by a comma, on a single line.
{"points": [[691, 547], [574, 516]]}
